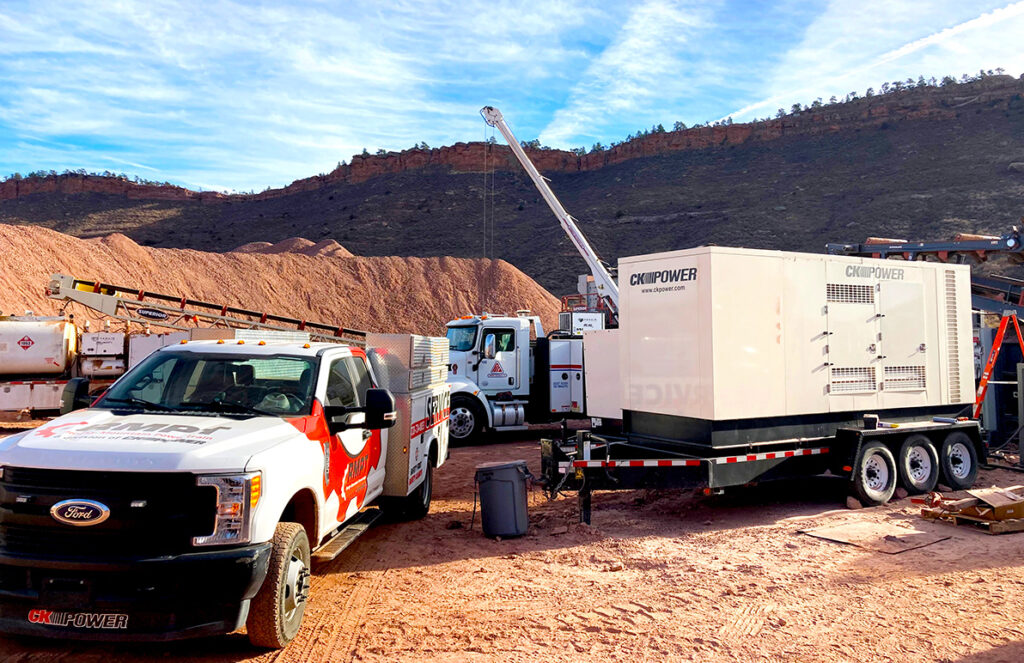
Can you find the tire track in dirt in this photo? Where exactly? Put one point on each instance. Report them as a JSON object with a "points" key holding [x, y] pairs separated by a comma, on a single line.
{"points": [[340, 601]]}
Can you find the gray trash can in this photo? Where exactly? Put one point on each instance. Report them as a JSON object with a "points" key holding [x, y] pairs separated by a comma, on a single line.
{"points": [[502, 489]]}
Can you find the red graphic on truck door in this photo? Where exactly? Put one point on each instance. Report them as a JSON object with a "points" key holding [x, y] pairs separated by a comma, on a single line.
{"points": [[344, 474]]}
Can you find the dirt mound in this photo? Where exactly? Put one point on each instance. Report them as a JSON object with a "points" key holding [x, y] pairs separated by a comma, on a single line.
{"points": [[378, 293], [300, 245]]}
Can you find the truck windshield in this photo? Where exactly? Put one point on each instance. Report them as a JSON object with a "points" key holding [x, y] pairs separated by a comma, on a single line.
{"points": [[202, 383], [461, 339]]}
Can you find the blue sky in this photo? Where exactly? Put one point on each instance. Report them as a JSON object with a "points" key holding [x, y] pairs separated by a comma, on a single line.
{"points": [[245, 95]]}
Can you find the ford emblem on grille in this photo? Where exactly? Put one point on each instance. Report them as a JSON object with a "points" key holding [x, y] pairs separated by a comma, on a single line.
{"points": [[80, 513]]}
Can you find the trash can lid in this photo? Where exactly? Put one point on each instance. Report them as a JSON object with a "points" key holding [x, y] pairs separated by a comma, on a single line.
{"points": [[501, 465]]}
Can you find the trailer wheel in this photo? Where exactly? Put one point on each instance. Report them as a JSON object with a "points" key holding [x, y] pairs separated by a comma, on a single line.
{"points": [[959, 461], [918, 465], [874, 480], [275, 613], [466, 419]]}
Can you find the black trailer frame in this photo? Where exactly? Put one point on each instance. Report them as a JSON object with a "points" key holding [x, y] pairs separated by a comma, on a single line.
{"points": [[589, 461]]}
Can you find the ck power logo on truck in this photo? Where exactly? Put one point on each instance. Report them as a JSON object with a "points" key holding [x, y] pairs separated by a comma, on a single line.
{"points": [[871, 272], [93, 620], [663, 280]]}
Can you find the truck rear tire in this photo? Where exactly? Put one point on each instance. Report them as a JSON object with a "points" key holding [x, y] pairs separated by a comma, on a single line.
{"points": [[918, 464], [466, 419], [417, 503], [275, 614], [874, 479], [959, 461]]}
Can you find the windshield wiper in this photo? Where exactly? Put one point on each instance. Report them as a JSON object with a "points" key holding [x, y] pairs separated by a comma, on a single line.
{"points": [[233, 406], [141, 403]]}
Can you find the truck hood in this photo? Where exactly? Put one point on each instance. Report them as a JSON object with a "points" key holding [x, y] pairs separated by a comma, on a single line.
{"points": [[104, 440]]}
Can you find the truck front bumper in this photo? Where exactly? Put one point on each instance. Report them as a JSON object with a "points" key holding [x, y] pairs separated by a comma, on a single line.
{"points": [[165, 598]]}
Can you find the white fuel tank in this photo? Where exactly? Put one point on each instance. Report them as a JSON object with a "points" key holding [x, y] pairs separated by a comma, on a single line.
{"points": [[36, 345]]}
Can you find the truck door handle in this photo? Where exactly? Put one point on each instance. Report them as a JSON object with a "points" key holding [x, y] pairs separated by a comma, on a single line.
{"points": [[511, 380], [367, 433]]}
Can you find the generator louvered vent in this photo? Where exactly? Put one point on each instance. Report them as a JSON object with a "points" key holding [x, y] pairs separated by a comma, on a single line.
{"points": [[846, 293], [903, 378], [952, 337], [853, 379]]}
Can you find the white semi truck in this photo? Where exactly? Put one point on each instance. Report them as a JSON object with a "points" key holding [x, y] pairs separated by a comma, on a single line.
{"points": [[505, 371], [193, 495]]}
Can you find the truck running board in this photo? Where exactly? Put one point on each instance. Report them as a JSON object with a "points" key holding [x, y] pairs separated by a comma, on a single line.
{"points": [[345, 536]]}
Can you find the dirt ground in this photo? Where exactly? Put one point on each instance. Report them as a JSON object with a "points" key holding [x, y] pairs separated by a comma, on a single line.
{"points": [[658, 576]]}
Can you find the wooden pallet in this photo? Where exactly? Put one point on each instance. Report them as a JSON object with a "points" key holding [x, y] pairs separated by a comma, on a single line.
{"points": [[990, 526]]}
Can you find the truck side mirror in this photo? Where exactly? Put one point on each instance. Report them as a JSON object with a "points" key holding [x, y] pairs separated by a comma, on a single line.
{"points": [[489, 346], [380, 409], [379, 412], [75, 395]]}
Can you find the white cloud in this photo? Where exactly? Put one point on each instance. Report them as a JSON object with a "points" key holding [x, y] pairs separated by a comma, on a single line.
{"points": [[642, 64], [854, 45]]}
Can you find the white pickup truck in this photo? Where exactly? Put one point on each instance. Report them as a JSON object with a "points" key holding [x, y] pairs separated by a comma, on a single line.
{"points": [[191, 498]]}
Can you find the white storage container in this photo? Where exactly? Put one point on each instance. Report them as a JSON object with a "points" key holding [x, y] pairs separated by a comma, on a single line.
{"points": [[717, 334], [36, 345], [105, 344], [565, 375], [141, 346], [408, 362]]}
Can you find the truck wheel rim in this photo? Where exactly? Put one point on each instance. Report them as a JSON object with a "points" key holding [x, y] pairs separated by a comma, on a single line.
{"points": [[959, 460], [296, 588], [876, 473], [919, 465], [461, 422]]}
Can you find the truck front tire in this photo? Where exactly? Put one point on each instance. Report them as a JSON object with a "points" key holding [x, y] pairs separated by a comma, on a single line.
{"points": [[275, 614], [466, 419]]}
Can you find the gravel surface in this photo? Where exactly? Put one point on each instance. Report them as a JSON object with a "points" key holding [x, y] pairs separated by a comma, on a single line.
{"points": [[660, 575]]}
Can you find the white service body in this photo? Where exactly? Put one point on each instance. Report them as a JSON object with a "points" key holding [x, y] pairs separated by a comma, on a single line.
{"points": [[602, 378], [717, 333]]}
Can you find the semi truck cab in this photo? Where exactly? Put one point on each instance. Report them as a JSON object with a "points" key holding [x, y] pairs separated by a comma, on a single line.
{"points": [[504, 372]]}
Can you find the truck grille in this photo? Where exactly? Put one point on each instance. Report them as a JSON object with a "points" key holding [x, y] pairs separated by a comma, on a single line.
{"points": [[169, 510]]}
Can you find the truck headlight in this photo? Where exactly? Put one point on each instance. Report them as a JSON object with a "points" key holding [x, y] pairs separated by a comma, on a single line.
{"points": [[237, 497]]}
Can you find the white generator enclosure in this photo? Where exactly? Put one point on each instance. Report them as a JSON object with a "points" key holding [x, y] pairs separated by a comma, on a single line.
{"points": [[721, 345], [602, 379]]}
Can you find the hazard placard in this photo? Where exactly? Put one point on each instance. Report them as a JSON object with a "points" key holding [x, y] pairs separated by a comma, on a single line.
{"points": [[26, 342]]}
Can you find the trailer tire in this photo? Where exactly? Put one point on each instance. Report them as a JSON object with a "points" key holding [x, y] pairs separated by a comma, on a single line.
{"points": [[466, 420], [874, 479], [918, 464], [275, 614], [959, 461]]}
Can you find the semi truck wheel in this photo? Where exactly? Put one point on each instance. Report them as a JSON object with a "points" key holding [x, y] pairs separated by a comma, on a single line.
{"points": [[959, 461], [275, 614], [874, 479], [918, 465], [465, 420]]}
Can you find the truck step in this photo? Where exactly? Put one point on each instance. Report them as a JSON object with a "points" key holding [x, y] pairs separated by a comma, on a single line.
{"points": [[345, 536]]}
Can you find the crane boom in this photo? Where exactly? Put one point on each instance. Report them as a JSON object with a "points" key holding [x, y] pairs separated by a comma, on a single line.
{"points": [[607, 288]]}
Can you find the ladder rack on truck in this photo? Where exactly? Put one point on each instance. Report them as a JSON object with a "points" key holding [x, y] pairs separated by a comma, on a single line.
{"points": [[177, 312]]}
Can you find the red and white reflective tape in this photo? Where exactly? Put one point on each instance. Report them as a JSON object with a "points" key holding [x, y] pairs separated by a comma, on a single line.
{"points": [[694, 462], [773, 455], [636, 463]]}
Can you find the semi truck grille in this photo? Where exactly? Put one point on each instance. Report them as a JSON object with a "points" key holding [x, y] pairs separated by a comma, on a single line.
{"points": [[151, 513]]}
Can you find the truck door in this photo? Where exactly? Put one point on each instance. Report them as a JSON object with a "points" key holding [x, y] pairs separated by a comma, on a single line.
{"points": [[356, 455], [502, 372]]}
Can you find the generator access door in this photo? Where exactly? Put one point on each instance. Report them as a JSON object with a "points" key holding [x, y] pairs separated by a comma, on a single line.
{"points": [[853, 356], [903, 344]]}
